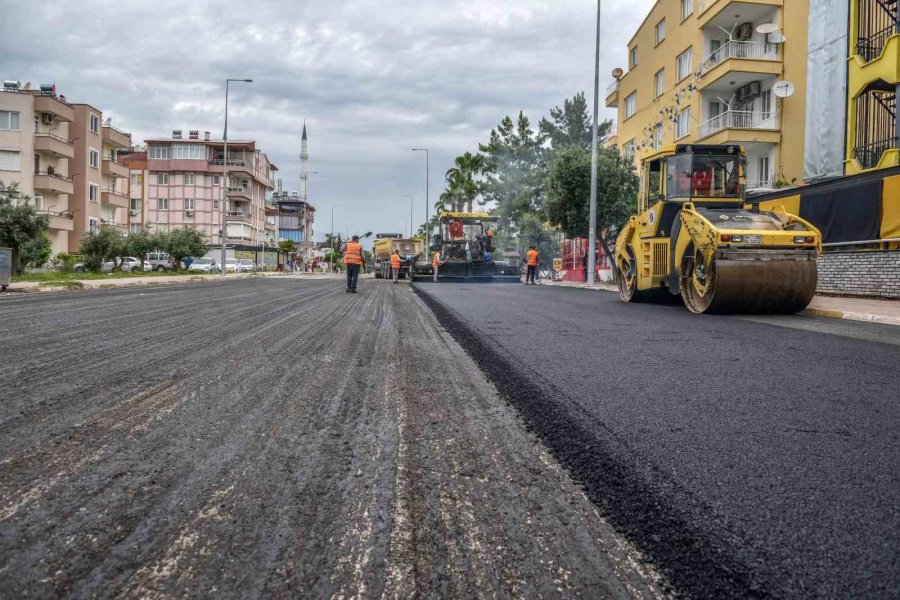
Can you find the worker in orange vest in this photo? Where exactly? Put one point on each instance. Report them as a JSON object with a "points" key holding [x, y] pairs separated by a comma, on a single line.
{"points": [[435, 263], [395, 265], [353, 262], [532, 257]]}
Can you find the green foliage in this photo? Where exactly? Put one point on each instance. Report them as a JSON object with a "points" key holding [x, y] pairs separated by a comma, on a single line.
{"points": [[64, 262], [533, 231], [463, 187], [21, 227], [286, 246], [138, 244], [98, 247], [336, 242], [569, 190], [36, 251], [182, 243]]}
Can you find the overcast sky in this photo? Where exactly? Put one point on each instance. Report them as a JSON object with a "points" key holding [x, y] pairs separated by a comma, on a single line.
{"points": [[372, 78]]}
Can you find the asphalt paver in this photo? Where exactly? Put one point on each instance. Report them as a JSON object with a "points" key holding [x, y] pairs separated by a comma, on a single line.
{"points": [[277, 438], [746, 456]]}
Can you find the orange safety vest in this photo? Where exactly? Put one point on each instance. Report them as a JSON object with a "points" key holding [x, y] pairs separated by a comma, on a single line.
{"points": [[395, 261], [353, 254], [532, 257], [436, 261]]}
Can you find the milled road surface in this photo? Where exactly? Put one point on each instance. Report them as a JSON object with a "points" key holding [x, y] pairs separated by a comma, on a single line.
{"points": [[748, 456], [276, 438]]}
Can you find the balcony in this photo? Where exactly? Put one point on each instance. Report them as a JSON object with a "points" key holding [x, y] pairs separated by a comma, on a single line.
{"points": [[114, 168], [116, 137], [56, 107], [708, 10], [876, 141], [238, 217], [233, 164], [240, 194], [53, 182], [115, 198], [612, 94], [738, 119], [746, 57], [54, 145], [60, 220]]}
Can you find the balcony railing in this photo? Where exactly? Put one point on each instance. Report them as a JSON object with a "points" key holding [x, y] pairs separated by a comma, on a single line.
{"points": [[740, 50], [739, 119], [56, 175], [766, 181], [869, 155], [878, 21], [63, 214], [612, 87], [876, 126], [52, 136]]}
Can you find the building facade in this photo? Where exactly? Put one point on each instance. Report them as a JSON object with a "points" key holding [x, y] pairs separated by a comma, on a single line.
{"points": [[138, 182], [185, 184], [704, 71], [36, 153]]}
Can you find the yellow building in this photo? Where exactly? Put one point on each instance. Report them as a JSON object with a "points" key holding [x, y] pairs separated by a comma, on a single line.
{"points": [[873, 83], [703, 71]]}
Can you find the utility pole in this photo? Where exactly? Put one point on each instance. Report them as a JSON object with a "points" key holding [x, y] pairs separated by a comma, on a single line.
{"points": [[225, 178], [427, 202], [333, 249], [410, 213], [592, 234]]}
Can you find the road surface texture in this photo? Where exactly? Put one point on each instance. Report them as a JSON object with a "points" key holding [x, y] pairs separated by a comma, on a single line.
{"points": [[276, 438], [747, 456]]}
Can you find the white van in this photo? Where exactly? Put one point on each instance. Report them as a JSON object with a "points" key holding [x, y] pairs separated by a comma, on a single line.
{"points": [[159, 261]]}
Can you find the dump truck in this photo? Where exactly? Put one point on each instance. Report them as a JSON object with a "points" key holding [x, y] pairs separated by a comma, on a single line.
{"points": [[383, 248], [695, 237], [465, 241]]}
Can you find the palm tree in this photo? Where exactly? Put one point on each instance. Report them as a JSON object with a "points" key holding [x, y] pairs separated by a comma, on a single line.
{"points": [[461, 178]]}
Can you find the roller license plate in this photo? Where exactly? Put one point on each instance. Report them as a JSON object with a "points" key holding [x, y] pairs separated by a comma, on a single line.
{"points": [[753, 239]]}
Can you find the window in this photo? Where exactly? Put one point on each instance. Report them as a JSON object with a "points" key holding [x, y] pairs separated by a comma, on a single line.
{"points": [[188, 204], [632, 58], [94, 158], [162, 204], [683, 123], [657, 137], [763, 174], [659, 83], [630, 104], [216, 179], [10, 160], [190, 151], [9, 120], [162, 178], [628, 149], [135, 228], [95, 123], [160, 152], [188, 179], [135, 204], [660, 31], [163, 227], [685, 63], [93, 225], [94, 192], [215, 205], [687, 9], [765, 104], [137, 179], [39, 203]]}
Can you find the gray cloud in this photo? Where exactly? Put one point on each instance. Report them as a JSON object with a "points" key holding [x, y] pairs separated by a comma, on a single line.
{"points": [[372, 78]]}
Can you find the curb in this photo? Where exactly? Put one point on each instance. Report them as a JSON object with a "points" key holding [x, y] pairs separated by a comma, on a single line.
{"points": [[852, 316], [83, 285]]}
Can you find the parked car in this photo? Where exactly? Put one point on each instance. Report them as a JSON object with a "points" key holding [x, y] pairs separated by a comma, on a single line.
{"points": [[232, 266], [204, 265], [130, 263], [159, 261], [246, 265], [127, 264]]}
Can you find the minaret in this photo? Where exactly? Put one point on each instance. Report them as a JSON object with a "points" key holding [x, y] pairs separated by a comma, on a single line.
{"points": [[304, 158]]}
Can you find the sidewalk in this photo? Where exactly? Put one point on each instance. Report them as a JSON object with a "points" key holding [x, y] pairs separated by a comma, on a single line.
{"points": [[885, 312], [90, 284]]}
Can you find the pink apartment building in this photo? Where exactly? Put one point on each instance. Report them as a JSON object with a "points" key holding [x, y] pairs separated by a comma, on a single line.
{"points": [[183, 185]]}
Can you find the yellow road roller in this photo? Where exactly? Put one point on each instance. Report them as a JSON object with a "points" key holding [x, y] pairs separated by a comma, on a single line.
{"points": [[696, 237]]}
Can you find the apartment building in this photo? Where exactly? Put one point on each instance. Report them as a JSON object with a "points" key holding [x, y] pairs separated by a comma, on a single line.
{"points": [[295, 218], [36, 151], [873, 84], [703, 71], [186, 185], [138, 187]]}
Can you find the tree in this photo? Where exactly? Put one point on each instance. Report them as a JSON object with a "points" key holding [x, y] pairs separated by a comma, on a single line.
{"points": [[182, 243], [462, 183], [286, 246], [569, 190], [21, 227], [335, 243], [571, 125], [36, 251], [101, 246], [138, 244], [513, 171]]}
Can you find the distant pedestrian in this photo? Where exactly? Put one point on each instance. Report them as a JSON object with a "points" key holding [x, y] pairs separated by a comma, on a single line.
{"points": [[532, 258], [353, 263], [395, 265], [435, 264]]}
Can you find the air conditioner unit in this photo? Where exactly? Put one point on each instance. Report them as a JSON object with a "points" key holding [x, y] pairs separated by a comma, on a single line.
{"points": [[47, 118], [744, 32], [754, 89], [134, 213], [189, 212]]}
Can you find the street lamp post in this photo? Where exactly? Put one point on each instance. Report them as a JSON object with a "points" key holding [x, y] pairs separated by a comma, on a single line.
{"points": [[410, 214], [404, 224], [332, 237], [427, 201], [592, 223], [222, 233]]}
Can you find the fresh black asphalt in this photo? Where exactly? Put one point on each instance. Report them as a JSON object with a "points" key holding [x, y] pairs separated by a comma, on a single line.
{"points": [[747, 457]]}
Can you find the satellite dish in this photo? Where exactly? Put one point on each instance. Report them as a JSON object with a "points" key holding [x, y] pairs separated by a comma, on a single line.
{"points": [[767, 28], [777, 38], [783, 89], [27, 86], [617, 73]]}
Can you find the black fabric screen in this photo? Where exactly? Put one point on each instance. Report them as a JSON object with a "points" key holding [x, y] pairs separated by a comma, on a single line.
{"points": [[849, 213]]}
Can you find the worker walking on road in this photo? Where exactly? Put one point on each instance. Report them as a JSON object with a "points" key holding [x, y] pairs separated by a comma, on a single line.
{"points": [[353, 262], [435, 264], [395, 265], [532, 257]]}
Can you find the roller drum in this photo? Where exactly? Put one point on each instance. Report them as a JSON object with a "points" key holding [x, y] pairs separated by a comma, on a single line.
{"points": [[759, 282]]}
